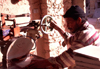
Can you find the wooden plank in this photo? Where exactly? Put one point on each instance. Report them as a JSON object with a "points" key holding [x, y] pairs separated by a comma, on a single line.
{"points": [[87, 65], [87, 57], [89, 60]]}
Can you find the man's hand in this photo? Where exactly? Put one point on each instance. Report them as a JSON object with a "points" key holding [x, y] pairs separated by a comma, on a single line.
{"points": [[63, 43]]}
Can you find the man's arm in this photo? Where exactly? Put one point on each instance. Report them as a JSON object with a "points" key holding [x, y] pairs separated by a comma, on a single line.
{"points": [[56, 27], [64, 34]]}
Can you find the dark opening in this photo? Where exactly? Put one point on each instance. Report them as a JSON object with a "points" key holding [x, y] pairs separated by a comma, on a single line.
{"points": [[98, 4]]}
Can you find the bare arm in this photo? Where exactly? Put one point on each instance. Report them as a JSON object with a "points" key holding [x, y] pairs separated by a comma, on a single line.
{"points": [[54, 25]]}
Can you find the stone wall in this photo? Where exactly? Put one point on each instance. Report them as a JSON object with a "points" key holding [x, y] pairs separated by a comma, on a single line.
{"points": [[56, 10], [17, 8], [35, 9]]}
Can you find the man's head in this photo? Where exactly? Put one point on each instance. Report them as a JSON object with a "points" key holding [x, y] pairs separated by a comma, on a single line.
{"points": [[75, 18]]}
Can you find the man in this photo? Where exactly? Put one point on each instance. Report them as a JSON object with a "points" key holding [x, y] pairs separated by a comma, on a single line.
{"points": [[81, 34]]}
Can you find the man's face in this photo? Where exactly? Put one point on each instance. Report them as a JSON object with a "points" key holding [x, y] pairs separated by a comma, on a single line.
{"points": [[72, 24]]}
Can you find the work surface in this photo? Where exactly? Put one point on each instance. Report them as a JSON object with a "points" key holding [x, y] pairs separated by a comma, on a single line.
{"points": [[87, 58], [92, 51]]}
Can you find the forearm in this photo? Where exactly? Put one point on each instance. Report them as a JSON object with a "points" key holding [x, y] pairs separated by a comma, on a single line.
{"points": [[62, 33], [54, 25]]}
